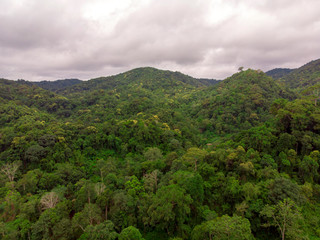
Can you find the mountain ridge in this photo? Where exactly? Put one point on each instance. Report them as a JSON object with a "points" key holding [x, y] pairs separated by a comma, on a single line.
{"points": [[304, 76], [277, 73]]}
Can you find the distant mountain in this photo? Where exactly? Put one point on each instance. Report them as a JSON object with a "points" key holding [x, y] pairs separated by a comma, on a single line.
{"points": [[303, 77], [144, 91], [279, 72], [146, 77], [57, 85], [208, 82]]}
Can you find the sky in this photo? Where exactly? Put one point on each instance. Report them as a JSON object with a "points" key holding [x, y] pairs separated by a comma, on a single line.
{"points": [[49, 40]]}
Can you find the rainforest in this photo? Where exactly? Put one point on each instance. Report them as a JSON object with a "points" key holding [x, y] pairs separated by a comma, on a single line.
{"points": [[153, 154]]}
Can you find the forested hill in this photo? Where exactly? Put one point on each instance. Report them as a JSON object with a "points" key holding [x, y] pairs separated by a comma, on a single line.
{"points": [[303, 77], [58, 84], [20, 93], [240, 101], [152, 154], [148, 78], [208, 82], [279, 72]]}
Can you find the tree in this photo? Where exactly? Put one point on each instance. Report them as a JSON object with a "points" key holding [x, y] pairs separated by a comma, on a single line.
{"points": [[313, 92], [130, 233], [169, 208], [283, 188], [30, 180], [286, 216], [99, 187], [191, 182], [10, 170], [194, 156], [246, 169], [153, 154], [104, 167], [151, 180], [10, 205], [102, 231], [49, 200], [53, 223], [35, 153], [123, 207], [308, 169], [223, 228], [90, 215], [86, 194]]}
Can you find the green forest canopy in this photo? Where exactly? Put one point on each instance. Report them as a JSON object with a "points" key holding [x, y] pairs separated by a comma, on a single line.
{"points": [[152, 154]]}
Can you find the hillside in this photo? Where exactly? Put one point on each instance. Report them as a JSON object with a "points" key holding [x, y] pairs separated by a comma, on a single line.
{"points": [[303, 77], [143, 91], [279, 72], [24, 93], [208, 82], [240, 101], [57, 85], [148, 78], [151, 154]]}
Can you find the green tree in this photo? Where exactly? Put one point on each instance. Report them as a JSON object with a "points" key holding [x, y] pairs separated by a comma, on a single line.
{"points": [[153, 154], [169, 208], [223, 228], [194, 156], [130, 233], [308, 169], [52, 224], [286, 216], [283, 188], [102, 231], [91, 215]]}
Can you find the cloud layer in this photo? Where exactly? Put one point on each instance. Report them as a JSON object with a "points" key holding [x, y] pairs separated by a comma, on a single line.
{"points": [[47, 40]]}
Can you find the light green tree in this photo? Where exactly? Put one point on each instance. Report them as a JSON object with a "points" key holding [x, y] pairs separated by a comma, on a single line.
{"points": [[223, 228], [130, 233]]}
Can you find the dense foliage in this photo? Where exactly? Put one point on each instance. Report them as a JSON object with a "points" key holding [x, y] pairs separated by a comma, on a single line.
{"points": [[303, 77], [57, 85], [151, 154]]}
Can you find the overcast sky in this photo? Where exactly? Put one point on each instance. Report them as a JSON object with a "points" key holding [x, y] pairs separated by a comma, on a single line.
{"points": [[47, 40]]}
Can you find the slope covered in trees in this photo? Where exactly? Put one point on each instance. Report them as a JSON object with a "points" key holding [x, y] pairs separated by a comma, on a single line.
{"points": [[303, 77], [57, 85], [149, 78], [279, 72], [22, 94], [239, 102], [151, 154]]}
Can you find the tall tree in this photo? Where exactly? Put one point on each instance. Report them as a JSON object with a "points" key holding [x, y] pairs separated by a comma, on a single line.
{"points": [[286, 216]]}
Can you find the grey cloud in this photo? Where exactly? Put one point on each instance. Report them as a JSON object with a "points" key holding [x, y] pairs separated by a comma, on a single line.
{"points": [[37, 24], [53, 39]]}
